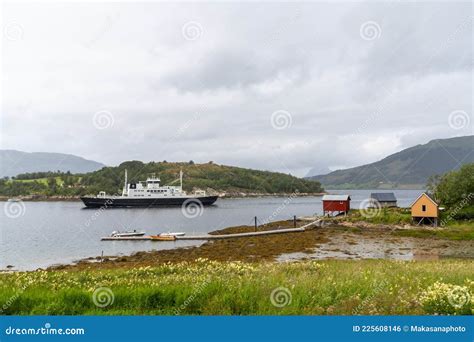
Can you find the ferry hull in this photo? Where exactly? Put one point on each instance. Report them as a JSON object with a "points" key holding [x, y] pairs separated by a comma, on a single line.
{"points": [[104, 202]]}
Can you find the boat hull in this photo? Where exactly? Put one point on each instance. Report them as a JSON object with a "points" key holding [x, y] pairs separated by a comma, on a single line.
{"points": [[124, 202], [127, 234], [162, 238]]}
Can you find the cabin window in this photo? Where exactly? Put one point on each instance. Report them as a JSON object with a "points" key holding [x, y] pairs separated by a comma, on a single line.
{"points": [[423, 207]]}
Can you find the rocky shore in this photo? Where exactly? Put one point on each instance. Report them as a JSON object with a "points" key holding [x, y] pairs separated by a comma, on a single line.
{"points": [[332, 241]]}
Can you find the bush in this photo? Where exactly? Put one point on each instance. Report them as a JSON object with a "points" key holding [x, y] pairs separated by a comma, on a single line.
{"points": [[447, 299], [463, 214]]}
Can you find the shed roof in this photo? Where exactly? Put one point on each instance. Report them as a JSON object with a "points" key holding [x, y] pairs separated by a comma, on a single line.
{"points": [[427, 195], [383, 196], [336, 198]]}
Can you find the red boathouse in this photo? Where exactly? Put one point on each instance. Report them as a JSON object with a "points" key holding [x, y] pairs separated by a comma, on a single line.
{"points": [[336, 204]]}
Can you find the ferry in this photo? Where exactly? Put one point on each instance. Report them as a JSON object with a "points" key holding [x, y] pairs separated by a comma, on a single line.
{"points": [[149, 193]]}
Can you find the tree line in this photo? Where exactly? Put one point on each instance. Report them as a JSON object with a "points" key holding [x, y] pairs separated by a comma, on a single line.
{"points": [[455, 191], [196, 176]]}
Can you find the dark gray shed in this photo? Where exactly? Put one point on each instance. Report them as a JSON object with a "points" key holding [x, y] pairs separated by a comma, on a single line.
{"points": [[386, 199]]}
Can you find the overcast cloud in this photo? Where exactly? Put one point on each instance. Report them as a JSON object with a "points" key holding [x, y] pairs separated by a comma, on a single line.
{"points": [[349, 83]]}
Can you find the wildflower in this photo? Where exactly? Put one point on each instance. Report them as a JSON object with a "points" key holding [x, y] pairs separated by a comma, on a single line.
{"points": [[442, 298]]}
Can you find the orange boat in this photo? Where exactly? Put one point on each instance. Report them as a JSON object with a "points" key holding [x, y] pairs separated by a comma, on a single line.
{"points": [[163, 238]]}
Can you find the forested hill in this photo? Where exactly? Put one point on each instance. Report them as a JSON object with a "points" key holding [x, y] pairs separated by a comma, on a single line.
{"points": [[202, 176], [210, 176], [409, 168]]}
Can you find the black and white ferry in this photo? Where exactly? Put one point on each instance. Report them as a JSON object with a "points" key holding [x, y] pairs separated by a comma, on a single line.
{"points": [[149, 193]]}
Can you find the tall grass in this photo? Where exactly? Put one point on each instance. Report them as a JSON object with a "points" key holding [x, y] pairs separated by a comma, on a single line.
{"points": [[382, 216], [214, 288]]}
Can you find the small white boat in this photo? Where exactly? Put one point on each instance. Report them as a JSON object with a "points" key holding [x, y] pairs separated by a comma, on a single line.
{"points": [[172, 234], [126, 234]]}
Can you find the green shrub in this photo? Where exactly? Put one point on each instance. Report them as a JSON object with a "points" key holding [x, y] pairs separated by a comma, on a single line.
{"points": [[447, 299]]}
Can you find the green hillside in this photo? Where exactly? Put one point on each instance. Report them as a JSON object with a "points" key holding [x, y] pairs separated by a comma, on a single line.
{"points": [[209, 176], [410, 168]]}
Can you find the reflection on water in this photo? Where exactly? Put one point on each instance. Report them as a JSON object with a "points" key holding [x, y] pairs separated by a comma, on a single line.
{"points": [[60, 232]]}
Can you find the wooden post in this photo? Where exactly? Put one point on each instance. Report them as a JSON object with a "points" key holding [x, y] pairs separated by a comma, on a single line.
{"points": [[256, 223], [294, 221]]}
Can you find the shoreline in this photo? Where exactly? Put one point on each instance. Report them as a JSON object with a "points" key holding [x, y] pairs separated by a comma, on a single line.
{"points": [[229, 196], [334, 241]]}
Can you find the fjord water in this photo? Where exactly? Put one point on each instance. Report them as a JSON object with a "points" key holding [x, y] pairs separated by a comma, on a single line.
{"points": [[50, 233]]}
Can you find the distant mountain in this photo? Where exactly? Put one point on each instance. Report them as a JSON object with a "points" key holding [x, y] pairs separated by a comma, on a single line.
{"points": [[14, 162], [318, 170], [409, 168]]}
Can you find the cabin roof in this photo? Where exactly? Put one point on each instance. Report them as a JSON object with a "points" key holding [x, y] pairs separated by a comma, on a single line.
{"points": [[336, 198], [383, 196], [424, 194]]}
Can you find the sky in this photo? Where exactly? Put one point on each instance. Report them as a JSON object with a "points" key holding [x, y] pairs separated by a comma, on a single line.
{"points": [[289, 87]]}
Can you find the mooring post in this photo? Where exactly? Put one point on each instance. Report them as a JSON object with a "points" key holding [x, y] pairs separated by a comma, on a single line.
{"points": [[294, 221], [255, 223]]}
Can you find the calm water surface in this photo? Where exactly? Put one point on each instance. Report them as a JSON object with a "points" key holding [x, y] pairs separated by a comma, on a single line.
{"points": [[62, 232]]}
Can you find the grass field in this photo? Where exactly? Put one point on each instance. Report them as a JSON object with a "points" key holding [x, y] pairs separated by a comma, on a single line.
{"points": [[44, 181], [453, 230], [456, 231], [381, 216], [331, 287]]}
